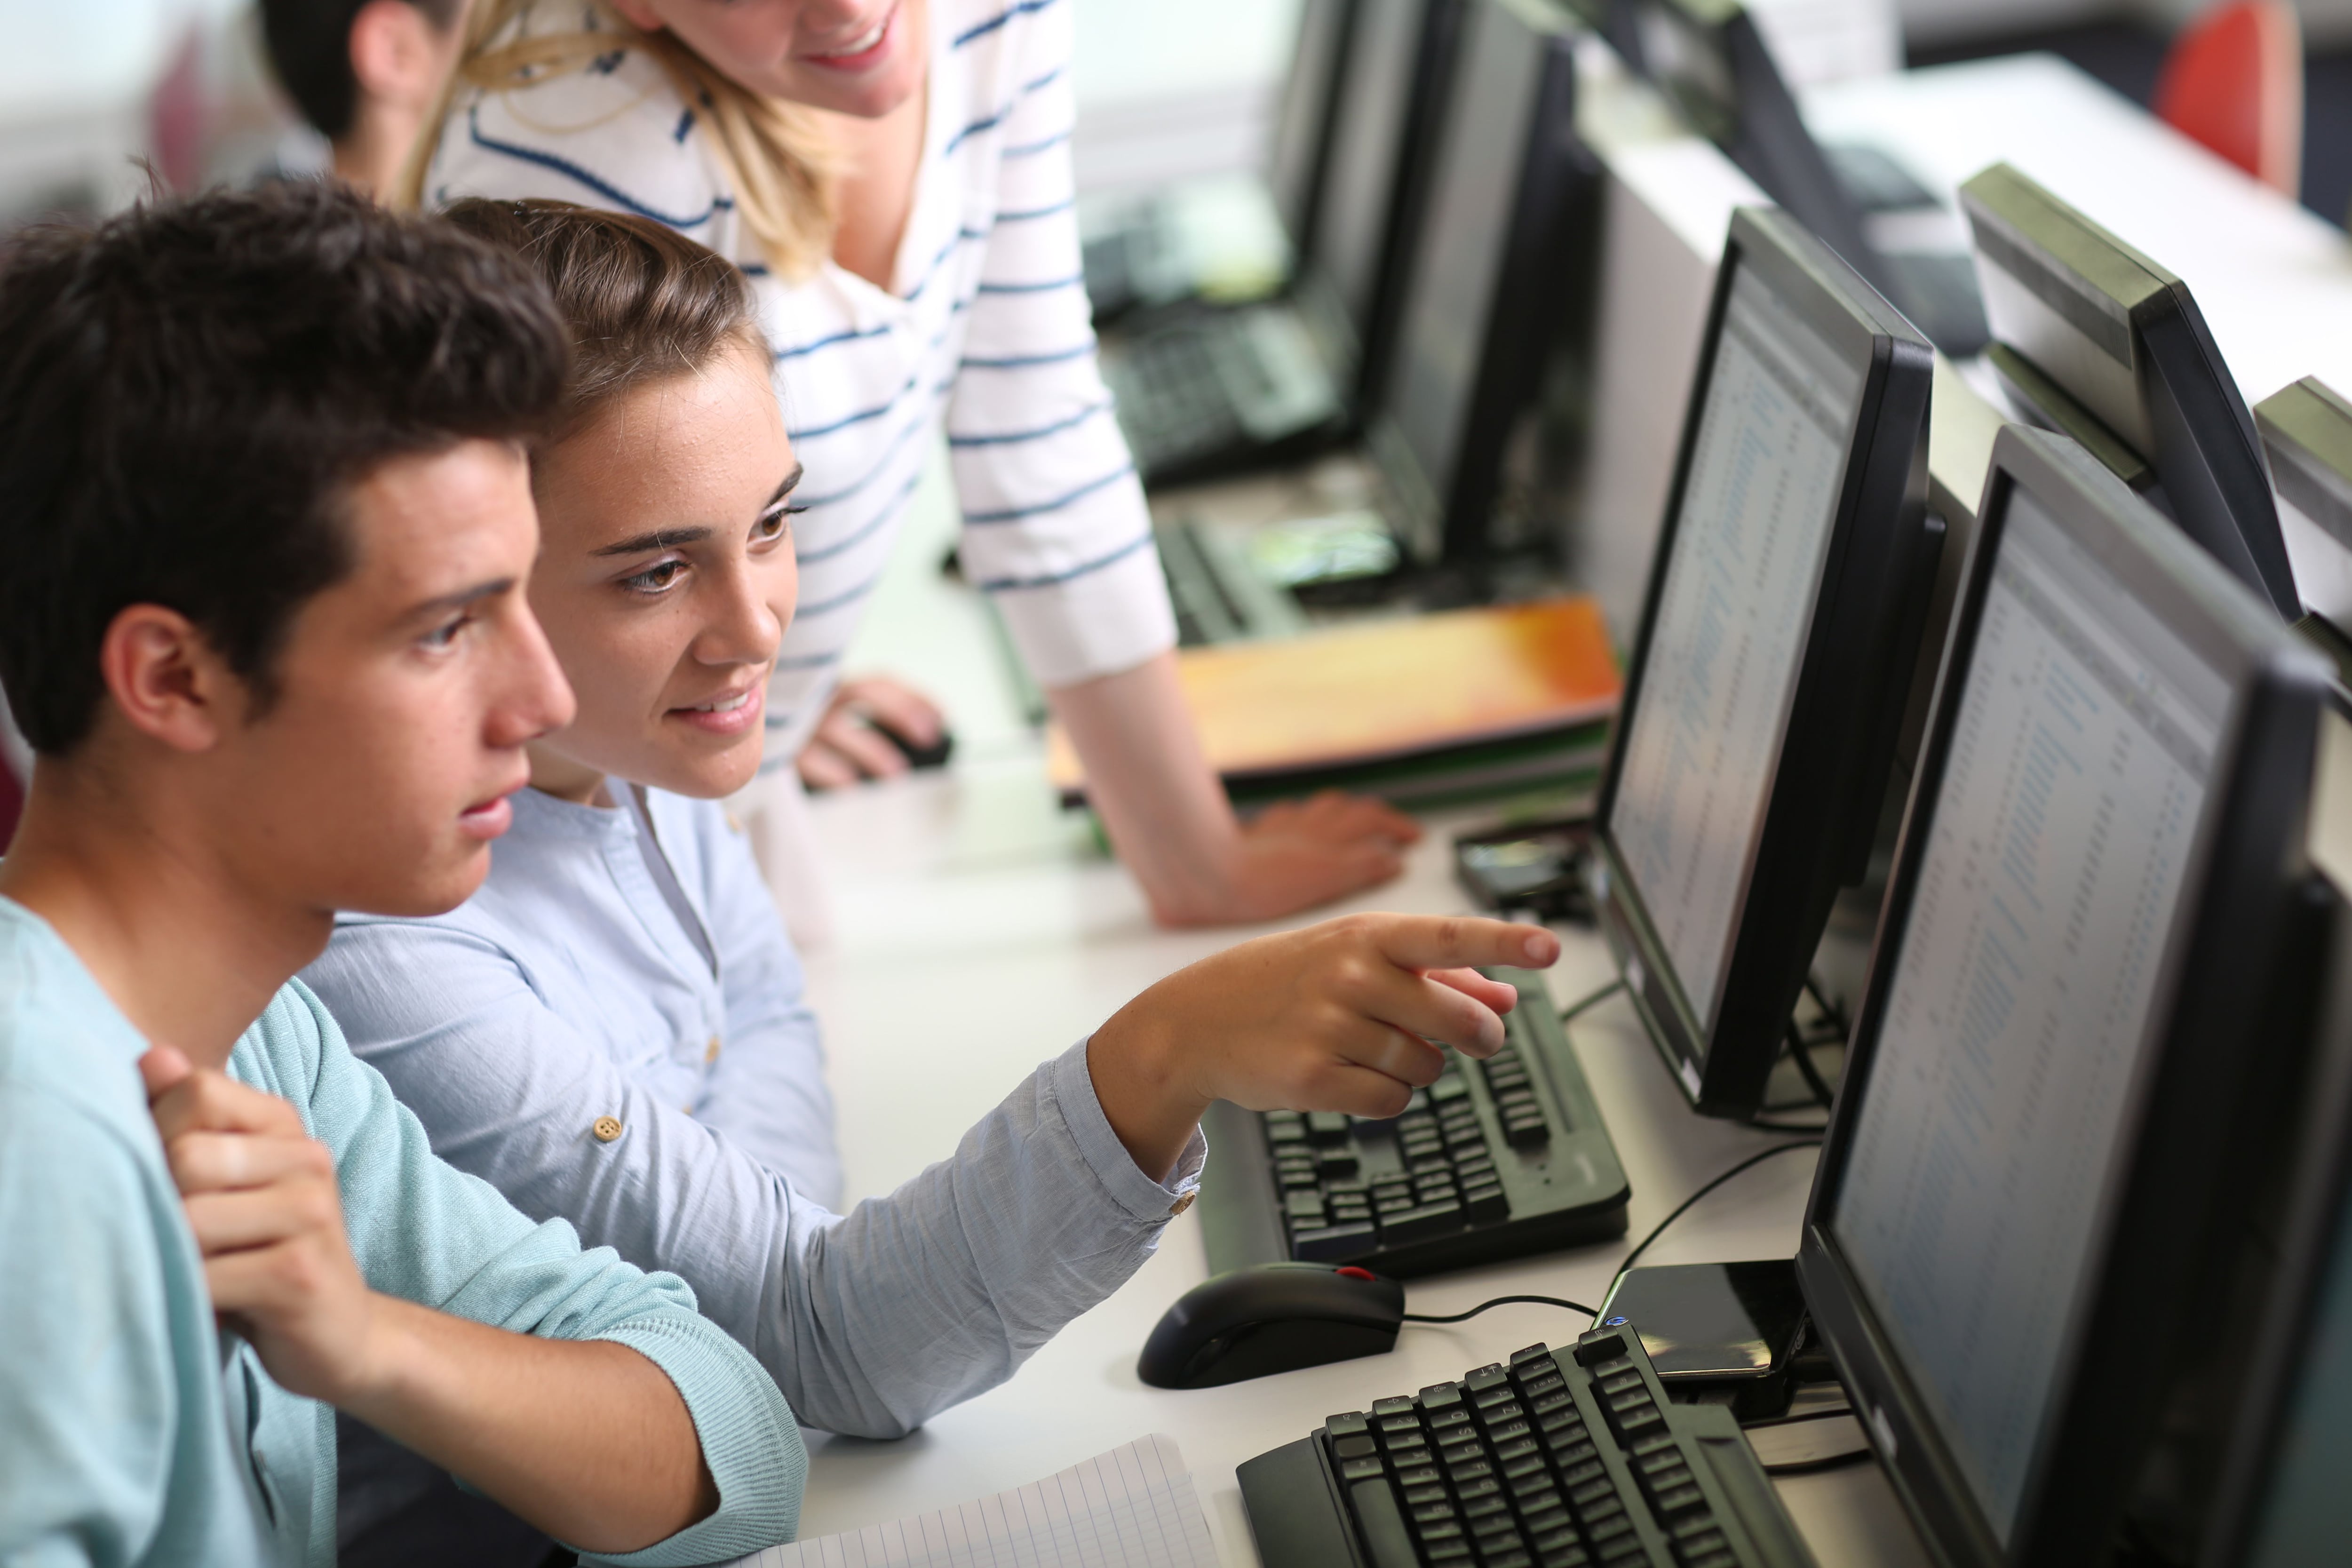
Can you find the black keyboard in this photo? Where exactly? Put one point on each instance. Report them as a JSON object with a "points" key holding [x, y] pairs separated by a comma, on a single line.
{"points": [[1568, 1459], [1174, 404], [1497, 1159]]}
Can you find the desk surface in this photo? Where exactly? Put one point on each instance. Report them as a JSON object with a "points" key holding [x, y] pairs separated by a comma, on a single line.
{"points": [[977, 935], [2274, 281]]}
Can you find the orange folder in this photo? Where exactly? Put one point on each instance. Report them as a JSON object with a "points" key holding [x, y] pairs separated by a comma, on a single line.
{"points": [[1389, 689]]}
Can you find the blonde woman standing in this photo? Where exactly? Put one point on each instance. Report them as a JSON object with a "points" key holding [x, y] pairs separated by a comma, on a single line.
{"points": [[895, 176]]}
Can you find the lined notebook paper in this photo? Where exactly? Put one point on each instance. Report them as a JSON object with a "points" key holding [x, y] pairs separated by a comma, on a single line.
{"points": [[1131, 1508]]}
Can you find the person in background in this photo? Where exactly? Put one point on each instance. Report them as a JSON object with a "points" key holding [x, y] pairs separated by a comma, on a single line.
{"points": [[609, 1030], [895, 177], [366, 74], [267, 522]]}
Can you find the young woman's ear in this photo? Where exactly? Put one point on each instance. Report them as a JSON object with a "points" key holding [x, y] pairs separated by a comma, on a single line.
{"points": [[396, 54], [166, 679]]}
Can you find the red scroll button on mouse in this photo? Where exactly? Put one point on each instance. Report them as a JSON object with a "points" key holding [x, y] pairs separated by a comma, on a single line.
{"points": [[1352, 1272]]}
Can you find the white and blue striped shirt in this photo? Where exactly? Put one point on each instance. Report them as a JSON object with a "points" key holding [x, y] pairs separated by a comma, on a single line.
{"points": [[986, 324]]}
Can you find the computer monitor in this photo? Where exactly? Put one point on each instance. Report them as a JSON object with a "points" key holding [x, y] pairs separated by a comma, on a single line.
{"points": [[1712, 62], [2045, 1150], [2095, 339], [2307, 430], [2280, 1497], [1300, 148], [1708, 56], [1484, 291], [1774, 658], [1375, 181]]}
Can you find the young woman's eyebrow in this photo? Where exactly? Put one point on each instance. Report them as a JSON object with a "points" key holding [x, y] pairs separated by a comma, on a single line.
{"points": [[659, 539], [792, 482]]}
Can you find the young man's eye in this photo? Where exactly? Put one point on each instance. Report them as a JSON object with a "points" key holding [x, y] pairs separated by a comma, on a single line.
{"points": [[448, 632], [656, 578]]}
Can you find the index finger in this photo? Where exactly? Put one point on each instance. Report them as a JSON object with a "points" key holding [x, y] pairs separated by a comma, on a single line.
{"points": [[214, 1102], [1462, 941]]}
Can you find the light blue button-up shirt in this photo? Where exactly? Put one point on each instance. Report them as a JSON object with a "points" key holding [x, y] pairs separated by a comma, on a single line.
{"points": [[132, 1432], [584, 981]]}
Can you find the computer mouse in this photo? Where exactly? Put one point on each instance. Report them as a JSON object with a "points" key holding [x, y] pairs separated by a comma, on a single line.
{"points": [[918, 755], [1275, 1317]]}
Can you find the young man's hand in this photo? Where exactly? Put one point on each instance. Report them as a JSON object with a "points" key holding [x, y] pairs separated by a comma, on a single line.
{"points": [[261, 1198], [1338, 1016]]}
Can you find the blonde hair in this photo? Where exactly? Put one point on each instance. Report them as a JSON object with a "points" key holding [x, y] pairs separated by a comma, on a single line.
{"points": [[784, 170]]}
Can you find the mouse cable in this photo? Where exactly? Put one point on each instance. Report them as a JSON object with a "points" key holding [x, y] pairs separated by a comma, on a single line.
{"points": [[1811, 1072], [1597, 997], [1684, 1207], [1502, 1301]]}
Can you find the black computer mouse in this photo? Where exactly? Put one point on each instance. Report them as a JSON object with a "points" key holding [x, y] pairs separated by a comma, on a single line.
{"points": [[919, 756], [1275, 1317]]}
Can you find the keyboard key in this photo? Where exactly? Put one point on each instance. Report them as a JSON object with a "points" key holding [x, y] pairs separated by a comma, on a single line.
{"points": [[1357, 1469], [1357, 1446], [1305, 1205], [1415, 1497], [1681, 1499], [1450, 1089], [1380, 1526], [1327, 1126], [1339, 1162], [1333, 1243], [1439, 1397], [1527, 1134], [1430, 1512], [1484, 1508], [1402, 1227], [1347, 1426]]}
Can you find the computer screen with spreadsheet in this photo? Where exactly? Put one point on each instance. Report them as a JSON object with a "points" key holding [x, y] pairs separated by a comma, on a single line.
{"points": [[2068, 1073], [2018, 1012], [1730, 624], [1752, 745]]}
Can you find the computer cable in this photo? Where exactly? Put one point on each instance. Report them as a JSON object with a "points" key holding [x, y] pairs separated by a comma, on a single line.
{"points": [[1576, 1008], [1502, 1301], [1802, 1050], [1684, 1207]]}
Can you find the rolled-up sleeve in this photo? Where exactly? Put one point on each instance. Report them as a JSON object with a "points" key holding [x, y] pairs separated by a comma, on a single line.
{"points": [[437, 1235], [870, 1322], [1055, 525]]}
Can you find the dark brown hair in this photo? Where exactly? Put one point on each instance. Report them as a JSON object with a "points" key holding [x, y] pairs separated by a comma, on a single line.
{"points": [[310, 44], [188, 392], [642, 301]]}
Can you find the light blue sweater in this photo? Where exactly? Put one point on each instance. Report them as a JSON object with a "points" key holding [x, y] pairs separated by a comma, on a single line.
{"points": [[132, 1432]]}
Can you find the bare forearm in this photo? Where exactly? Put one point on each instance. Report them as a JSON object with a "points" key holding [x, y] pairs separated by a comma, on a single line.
{"points": [[1147, 779], [588, 1440]]}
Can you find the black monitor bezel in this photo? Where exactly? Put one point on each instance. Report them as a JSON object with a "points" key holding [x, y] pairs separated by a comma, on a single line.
{"points": [[1361, 350], [2161, 1228], [1445, 517], [2208, 463], [2319, 1203], [1321, 111], [1852, 682]]}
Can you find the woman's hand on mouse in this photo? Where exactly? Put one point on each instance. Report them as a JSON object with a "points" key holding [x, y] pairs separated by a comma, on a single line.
{"points": [[847, 748], [1338, 1016]]}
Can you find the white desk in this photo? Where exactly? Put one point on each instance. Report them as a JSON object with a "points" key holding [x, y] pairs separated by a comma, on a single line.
{"points": [[976, 936]]}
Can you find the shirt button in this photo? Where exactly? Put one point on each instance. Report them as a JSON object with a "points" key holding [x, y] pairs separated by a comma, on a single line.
{"points": [[1182, 1204], [710, 1052], [606, 1129]]}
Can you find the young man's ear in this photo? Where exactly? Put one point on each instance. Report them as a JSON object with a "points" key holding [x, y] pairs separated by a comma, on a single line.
{"points": [[397, 54], [166, 679]]}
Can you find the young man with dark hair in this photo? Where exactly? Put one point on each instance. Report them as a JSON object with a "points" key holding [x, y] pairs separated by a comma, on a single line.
{"points": [[267, 523], [367, 74]]}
